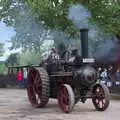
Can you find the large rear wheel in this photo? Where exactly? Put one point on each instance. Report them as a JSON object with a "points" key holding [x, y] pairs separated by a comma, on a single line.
{"points": [[38, 87], [66, 98]]}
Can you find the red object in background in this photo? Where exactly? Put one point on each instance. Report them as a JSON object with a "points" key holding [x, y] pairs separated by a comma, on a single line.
{"points": [[19, 76], [53, 50]]}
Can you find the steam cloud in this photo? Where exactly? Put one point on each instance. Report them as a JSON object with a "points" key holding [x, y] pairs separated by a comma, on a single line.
{"points": [[107, 50]]}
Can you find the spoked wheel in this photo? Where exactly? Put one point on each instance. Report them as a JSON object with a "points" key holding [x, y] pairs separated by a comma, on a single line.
{"points": [[101, 99], [66, 98], [38, 87]]}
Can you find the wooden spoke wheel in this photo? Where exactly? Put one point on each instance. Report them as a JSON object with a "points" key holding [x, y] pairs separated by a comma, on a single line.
{"points": [[66, 98], [38, 87], [101, 100]]}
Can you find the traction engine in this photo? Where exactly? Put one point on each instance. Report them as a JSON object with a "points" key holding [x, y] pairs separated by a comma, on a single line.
{"points": [[68, 82]]}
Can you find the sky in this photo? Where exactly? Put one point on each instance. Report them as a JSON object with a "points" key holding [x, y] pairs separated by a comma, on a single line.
{"points": [[5, 34]]}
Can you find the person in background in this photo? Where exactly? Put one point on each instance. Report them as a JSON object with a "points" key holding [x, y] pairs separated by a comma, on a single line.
{"points": [[104, 76], [52, 60], [75, 57], [19, 77], [118, 77], [110, 72], [25, 74], [54, 54]]}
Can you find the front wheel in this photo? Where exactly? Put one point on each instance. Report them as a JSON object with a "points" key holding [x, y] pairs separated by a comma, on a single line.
{"points": [[66, 98], [101, 99]]}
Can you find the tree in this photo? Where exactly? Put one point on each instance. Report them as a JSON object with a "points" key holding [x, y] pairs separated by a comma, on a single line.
{"points": [[1, 49], [105, 13], [27, 58], [3, 69], [54, 13], [12, 59], [30, 33]]}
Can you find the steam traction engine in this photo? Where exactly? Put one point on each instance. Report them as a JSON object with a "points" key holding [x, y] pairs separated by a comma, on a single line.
{"points": [[68, 82]]}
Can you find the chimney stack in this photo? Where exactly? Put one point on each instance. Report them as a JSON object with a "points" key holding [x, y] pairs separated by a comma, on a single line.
{"points": [[84, 42]]}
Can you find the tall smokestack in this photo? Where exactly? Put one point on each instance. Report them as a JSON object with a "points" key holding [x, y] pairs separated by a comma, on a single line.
{"points": [[84, 42]]}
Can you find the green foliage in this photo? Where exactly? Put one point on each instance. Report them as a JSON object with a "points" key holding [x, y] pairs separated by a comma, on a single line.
{"points": [[30, 33], [7, 13], [105, 13], [1, 49], [3, 69], [12, 59], [54, 13], [29, 58]]}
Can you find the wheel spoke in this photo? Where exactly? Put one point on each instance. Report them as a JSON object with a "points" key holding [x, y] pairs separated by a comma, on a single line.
{"points": [[103, 103], [32, 75]]}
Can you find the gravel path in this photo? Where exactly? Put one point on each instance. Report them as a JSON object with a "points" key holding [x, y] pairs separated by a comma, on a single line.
{"points": [[14, 105]]}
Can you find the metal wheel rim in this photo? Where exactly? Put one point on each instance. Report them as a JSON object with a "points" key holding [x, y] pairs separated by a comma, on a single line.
{"points": [[102, 97], [66, 98], [34, 89]]}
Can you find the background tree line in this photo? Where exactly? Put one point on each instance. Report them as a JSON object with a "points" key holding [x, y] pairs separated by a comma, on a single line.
{"points": [[33, 27], [37, 20]]}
